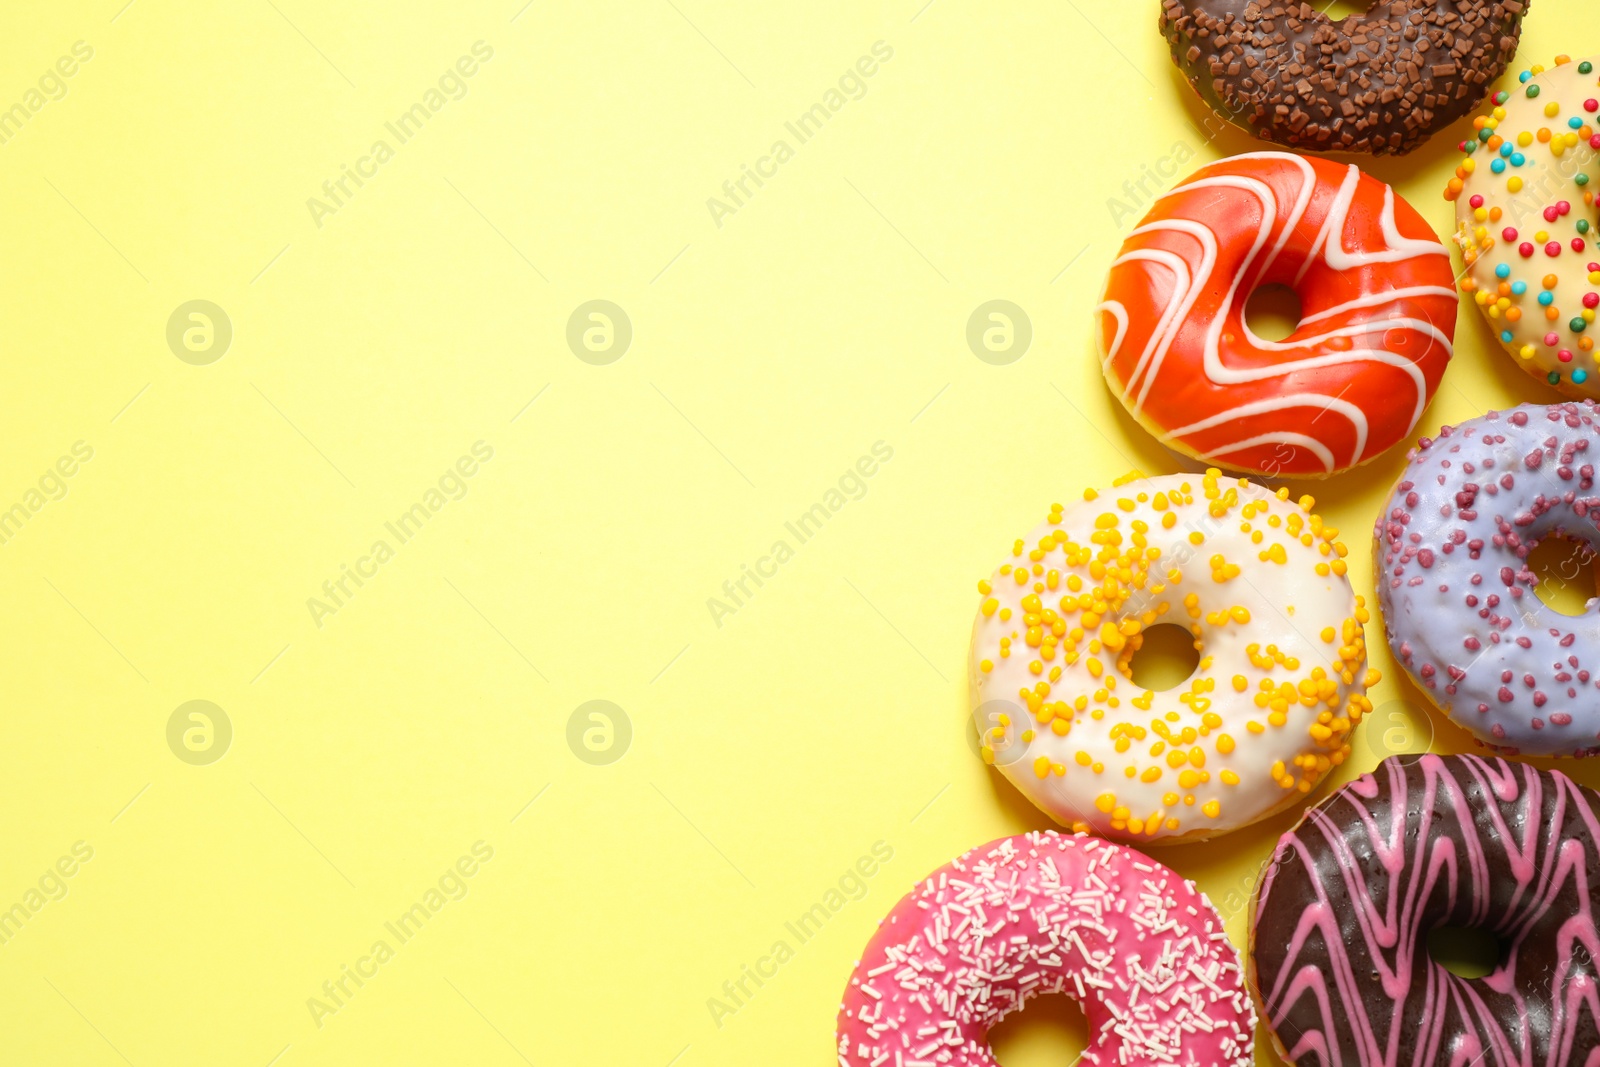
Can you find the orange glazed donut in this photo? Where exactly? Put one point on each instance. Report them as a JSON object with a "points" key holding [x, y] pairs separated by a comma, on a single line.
{"points": [[1378, 316]]}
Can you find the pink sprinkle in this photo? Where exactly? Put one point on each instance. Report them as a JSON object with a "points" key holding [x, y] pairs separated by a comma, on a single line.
{"points": [[1591, 300], [1565, 355], [1577, 244], [1509, 233], [1476, 201], [1553, 248], [1552, 339], [1590, 105], [1526, 248]]}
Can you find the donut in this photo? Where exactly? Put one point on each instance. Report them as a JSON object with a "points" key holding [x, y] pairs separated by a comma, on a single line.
{"points": [[1259, 583], [1382, 82], [1378, 316], [1526, 222], [1141, 950], [1459, 610], [1338, 950]]}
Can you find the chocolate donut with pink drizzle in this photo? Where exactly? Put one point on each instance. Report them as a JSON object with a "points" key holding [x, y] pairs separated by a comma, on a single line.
{"points": [[1338, 937], [1456, 591], [1141, 950]]}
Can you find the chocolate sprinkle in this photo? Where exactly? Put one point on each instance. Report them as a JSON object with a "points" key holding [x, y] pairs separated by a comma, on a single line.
{"points": [[1379, 83]]}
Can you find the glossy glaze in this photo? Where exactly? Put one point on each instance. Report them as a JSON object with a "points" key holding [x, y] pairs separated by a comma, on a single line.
{"points": [[1378, 316], [1141, 950], [1343, 912]]}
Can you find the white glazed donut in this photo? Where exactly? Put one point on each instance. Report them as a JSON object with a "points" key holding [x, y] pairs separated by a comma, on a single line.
{"points": [[1258, 581]]}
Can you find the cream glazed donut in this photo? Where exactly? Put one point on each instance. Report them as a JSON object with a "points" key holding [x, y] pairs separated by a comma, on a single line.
{"points": [[1377, 325], [1526, 221], [1141, 950], [1260, 585]]}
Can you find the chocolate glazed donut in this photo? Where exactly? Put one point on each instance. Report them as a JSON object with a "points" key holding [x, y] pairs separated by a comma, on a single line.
{"points": [[1380, 83], [1338, 938]]}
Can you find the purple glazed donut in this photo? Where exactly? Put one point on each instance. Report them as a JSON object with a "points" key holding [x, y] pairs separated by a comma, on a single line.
{"points": [[1457, 595]]}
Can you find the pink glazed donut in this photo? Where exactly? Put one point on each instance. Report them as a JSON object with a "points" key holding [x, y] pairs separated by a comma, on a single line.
{"points": [[1140, 949]]}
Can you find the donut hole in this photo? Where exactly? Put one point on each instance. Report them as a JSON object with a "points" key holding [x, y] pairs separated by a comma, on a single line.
{"points": [[1166, 659], [1049, 1030], [1339, 10], [1464, 951], [1272, 312], [1567, 572]]}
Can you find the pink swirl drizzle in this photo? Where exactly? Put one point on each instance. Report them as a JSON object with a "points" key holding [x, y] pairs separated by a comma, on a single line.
{"points": [[1342, 917]]}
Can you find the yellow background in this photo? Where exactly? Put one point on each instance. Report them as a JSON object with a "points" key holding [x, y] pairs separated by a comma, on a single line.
{"points": [[768, 753]]}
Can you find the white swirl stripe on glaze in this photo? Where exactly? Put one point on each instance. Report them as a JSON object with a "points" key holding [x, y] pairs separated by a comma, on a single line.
{"points": [[1377, 329]]}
